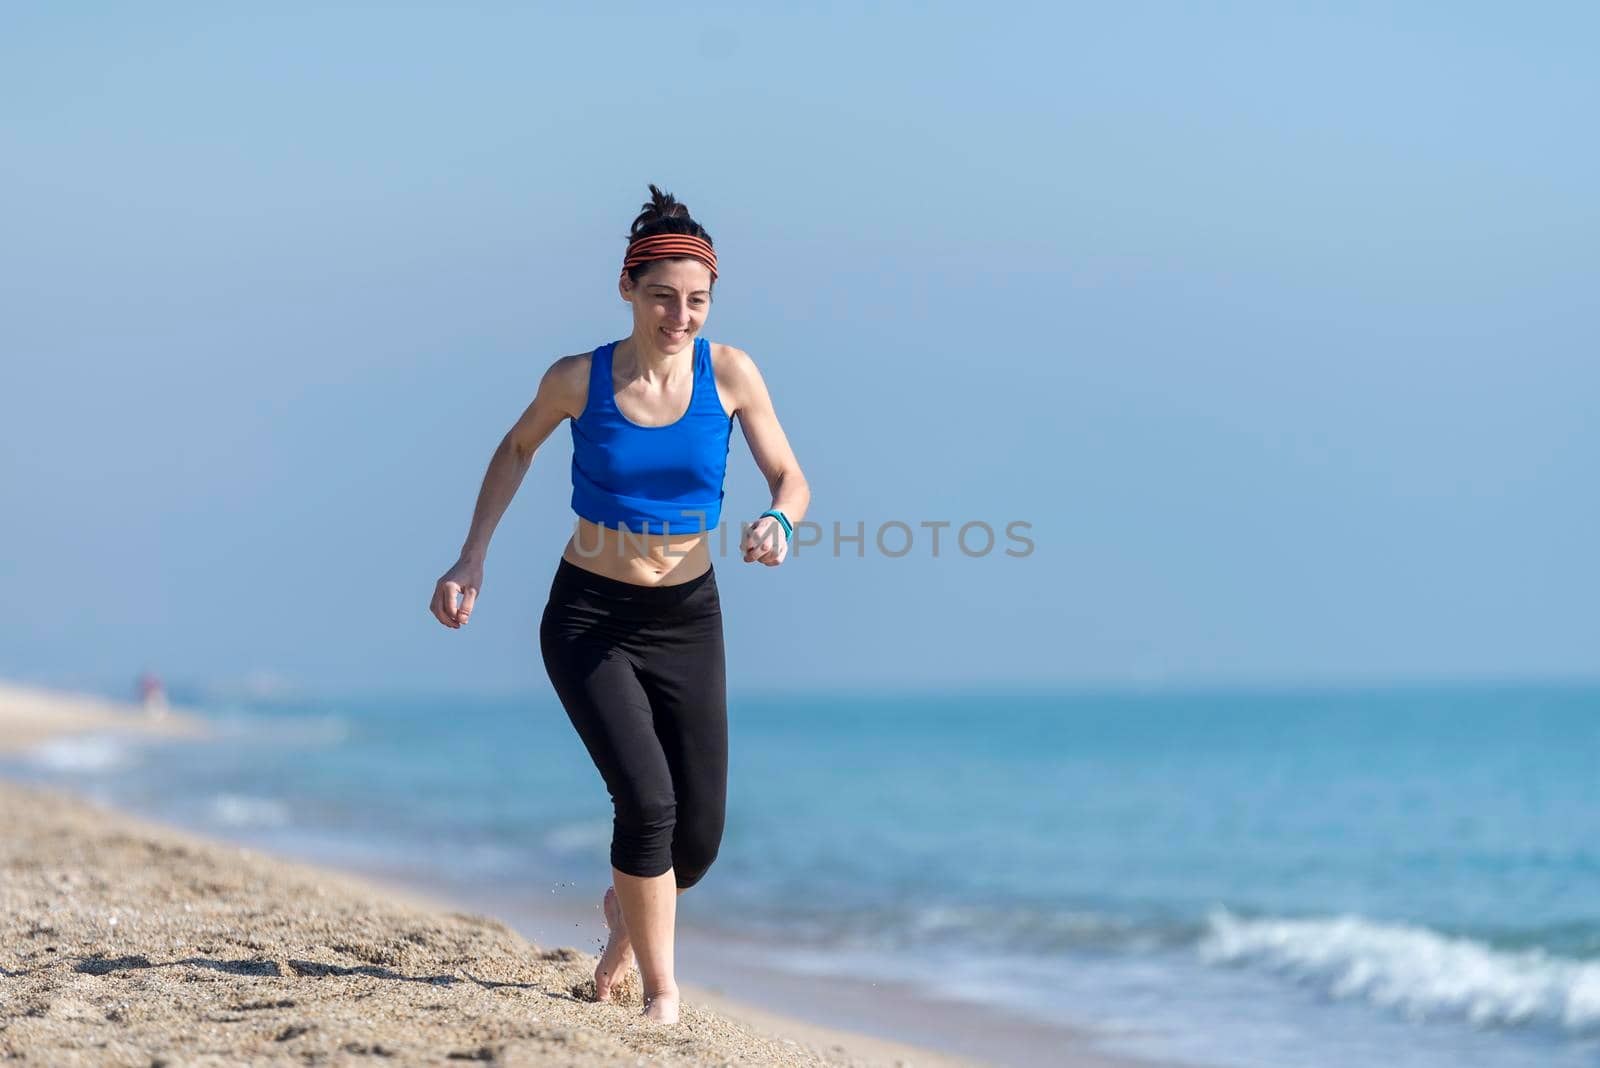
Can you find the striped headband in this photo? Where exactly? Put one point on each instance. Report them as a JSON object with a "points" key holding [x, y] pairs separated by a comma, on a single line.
{"points": [[669, 247]]}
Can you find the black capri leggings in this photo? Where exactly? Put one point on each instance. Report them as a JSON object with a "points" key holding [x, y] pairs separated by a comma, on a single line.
{"points": [[641, 672]]}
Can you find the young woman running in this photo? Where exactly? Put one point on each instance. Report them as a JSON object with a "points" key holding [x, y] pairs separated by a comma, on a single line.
{"points": [[632, 633]]}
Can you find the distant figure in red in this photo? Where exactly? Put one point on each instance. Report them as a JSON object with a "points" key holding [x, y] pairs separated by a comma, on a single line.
{"points": [[152, 695]]}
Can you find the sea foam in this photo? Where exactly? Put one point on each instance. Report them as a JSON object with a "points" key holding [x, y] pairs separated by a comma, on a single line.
{"points": [[1413, 970], [81, 753], [234, 810]]}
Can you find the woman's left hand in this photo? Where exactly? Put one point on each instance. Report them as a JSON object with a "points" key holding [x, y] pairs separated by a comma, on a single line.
{"points": [[764, 542]]}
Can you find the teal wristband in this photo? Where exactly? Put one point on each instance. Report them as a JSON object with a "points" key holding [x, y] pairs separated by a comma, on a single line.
{"points": [[783, 520]]}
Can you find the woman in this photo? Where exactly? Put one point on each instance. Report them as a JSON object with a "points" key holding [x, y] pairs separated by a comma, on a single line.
{"points": [[632, 633]]}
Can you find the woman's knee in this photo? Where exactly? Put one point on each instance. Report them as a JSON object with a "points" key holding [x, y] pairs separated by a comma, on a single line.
{"points": [[694, 848], [642, 836]]}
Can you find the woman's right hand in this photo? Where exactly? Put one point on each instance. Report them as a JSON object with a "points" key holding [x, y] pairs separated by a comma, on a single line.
{"points": [[463, 580]]}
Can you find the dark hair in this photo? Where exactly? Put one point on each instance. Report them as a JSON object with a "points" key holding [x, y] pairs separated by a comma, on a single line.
{"points": [[663, 214]]}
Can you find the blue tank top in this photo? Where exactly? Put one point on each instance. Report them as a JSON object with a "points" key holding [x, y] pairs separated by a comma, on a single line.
{"points": [[651, 479]]}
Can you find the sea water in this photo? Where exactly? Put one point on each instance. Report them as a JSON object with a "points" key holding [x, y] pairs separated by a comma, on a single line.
{"points": [[1259, 879]]}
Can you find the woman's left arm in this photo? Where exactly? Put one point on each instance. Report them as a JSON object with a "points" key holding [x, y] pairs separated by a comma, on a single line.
{"points": [[764, 541]]}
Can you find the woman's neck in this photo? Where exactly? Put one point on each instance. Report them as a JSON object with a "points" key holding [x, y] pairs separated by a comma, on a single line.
{"points": [[640, 360]]}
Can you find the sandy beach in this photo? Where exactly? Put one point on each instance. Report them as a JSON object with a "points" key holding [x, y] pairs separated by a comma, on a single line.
{"points": [[30, 715], [128, 942]]}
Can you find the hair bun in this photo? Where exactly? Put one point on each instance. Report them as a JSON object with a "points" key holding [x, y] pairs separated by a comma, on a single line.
{"points": [[660, 207], [666, 205]]}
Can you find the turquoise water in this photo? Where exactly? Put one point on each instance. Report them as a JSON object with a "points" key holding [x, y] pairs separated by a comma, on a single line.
{"points": [[1244, 879]]}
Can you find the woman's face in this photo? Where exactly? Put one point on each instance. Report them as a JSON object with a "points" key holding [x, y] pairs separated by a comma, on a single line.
{"points": [[670, 302]]}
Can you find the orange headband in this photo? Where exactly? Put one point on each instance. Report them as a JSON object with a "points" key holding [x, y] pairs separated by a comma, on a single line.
{"points": [[669, 247]]}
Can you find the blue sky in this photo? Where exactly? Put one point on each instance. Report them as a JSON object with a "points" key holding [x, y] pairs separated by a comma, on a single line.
{"points": [[1276, 323]]}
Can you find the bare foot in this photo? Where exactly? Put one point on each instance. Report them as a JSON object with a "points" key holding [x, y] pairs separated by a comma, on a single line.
{"points": [[618, 955], [662, 1006]]}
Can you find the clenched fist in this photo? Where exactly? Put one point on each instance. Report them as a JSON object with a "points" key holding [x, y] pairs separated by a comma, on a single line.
{"points": [[463, 581], [764, 542]]}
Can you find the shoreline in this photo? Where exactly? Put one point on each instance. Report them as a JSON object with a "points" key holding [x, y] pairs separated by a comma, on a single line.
{"points": [[842, 1019], [125, 940], [711, 963], [31, 716]]}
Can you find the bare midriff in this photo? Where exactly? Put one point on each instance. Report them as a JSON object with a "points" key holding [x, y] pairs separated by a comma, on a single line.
{"points": [[642, 559]]}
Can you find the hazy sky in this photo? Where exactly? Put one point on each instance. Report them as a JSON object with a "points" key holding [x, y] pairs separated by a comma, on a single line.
{"points": [[1276, 322]]}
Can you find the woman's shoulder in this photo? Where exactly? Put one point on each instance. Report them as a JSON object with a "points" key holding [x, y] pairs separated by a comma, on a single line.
{"points": [[739, 380], [566, 382], [732, 368], [563, 393], [726, 355]]}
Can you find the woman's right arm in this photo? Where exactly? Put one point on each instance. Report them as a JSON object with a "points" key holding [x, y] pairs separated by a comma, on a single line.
{"points": [[562, 394]]}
